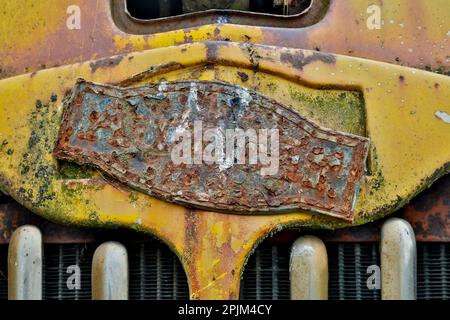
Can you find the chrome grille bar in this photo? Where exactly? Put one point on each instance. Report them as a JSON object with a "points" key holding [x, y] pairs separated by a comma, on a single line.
{"points": [[25, 264], [398, 260], [110, 272]]}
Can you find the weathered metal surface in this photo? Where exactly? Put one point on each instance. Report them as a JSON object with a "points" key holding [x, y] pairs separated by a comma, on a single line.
{"points": [[400, 124], [109, 275], [25, 264], [308, 269], [13, 215], [410, 144], [414, 32], [130, 134], [398, 255], [429, 212]]}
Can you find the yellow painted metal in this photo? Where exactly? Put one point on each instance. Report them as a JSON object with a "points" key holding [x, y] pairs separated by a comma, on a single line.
{"points": [[410, 145], [34, 34]]}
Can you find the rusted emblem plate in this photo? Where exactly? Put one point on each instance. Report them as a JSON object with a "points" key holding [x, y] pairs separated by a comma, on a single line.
{"points": [[212, 145]]}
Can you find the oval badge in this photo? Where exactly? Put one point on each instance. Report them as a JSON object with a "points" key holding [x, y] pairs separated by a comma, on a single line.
{"points": [[213, 146]]}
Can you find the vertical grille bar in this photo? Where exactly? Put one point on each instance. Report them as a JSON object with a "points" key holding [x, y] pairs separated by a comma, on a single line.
{"points": [[275, 272], [374, 261], [309, 269], [25, 264], [398, 252], [433, 269], [357, 249], [60, 271], [3, 272], [110, 272], [258, 274], [341, 273], [158, 274], [174, 272], [444, 268], [141, 270]]}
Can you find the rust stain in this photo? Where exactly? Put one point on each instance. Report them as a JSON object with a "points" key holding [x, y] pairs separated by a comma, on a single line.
{"points": [[13, 215], [299, 60], [131, 134], [105, 63], [154, 70], [243, 76], [429, 212], [211, 51]]}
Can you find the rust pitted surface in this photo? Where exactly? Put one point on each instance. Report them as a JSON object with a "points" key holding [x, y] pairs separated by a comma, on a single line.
{"points": [[131, 134]]}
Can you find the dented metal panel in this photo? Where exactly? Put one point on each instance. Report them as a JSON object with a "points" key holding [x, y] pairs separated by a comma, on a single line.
{"points": [[245, 152]]}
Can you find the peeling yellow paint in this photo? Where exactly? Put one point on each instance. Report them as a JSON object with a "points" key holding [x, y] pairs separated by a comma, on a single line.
{"points": [[203, 33]]}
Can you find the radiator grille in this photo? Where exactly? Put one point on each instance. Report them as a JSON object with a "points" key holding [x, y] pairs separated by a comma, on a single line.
{"points": [[3, 272], [57, 257], [433, 271], [347, 271], [348, 263], [266, 275], [156, 273]]}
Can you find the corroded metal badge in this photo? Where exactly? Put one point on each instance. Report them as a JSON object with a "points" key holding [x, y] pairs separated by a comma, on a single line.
{"points": [[212, 145]]}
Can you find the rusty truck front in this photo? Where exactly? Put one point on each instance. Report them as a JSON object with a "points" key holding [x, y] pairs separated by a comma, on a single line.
{"points": [[240, 149]]}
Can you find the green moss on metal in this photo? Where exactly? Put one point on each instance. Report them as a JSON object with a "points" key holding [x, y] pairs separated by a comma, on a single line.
{"points": [[35, 169], [71, 170], [133, 196], [335, 109], [272, 86]]}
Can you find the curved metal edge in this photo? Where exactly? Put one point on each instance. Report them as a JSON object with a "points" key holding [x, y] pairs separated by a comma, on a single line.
{"points": [[398, 260], [25, 264], [110, 272], [124, 21], [308, 269]]}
